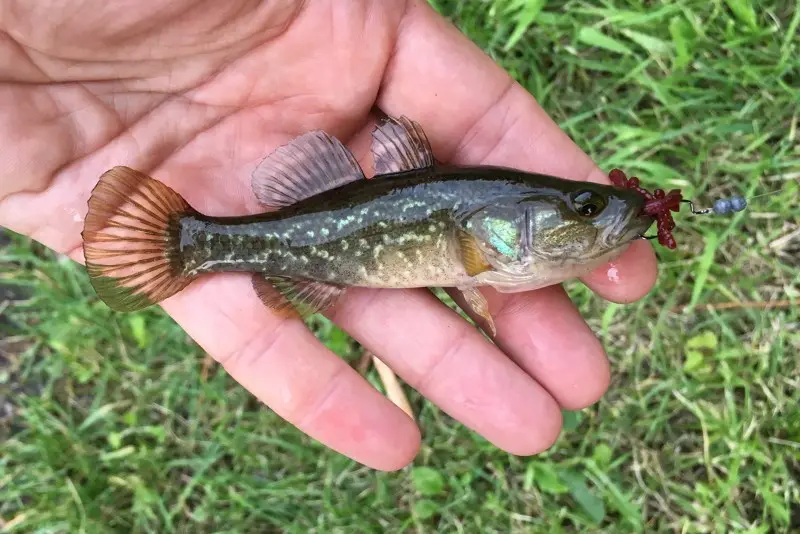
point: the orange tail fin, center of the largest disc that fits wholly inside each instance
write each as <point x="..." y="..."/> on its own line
<point x="131" y="238"/>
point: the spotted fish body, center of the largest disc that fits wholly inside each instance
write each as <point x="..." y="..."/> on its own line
<point x="387" y="233"/>
<point x="415" y="224"/>
<point x="397" y="231"/>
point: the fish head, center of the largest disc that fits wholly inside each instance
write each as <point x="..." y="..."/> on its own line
<point x="577" y="224"/>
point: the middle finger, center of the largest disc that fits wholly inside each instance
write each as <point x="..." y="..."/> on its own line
<point x="450" y="362"/>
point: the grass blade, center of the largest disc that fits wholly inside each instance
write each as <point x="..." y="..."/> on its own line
<point x="594" y="37"/>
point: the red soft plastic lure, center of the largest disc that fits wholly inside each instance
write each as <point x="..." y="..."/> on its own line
<point x="657" y="204"/>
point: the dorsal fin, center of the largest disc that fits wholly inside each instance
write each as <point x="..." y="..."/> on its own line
<point x="400" y="144"/>
<point x="295" y="297"/>
<point x="307" y="165"/>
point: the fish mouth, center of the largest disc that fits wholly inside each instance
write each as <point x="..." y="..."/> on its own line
<point x="631" y="228"/>
<point x="640" y="225"/>
<point x="621" y="234"/>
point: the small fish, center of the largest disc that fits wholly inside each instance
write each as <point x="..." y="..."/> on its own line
<point x="417" y="223"/>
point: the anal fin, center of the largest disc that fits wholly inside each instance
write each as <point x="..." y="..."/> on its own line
<point x="297" y="298"/>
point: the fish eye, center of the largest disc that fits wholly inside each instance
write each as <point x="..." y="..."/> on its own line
<point x="588" y="203"/>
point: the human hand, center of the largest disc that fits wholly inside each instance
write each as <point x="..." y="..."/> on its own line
<point x="196" y="93"/>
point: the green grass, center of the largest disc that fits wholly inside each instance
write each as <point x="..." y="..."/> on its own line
<point x="119" y="423"/>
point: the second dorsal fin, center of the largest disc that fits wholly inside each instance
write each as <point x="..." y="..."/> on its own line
<point x="400" y="144"/>
<point x="307" y="165"/>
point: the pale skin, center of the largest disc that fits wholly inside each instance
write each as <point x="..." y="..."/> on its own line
<point x="196" y="93"/>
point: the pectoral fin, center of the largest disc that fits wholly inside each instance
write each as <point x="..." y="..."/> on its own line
<point x="295" y="298"/>
<point x="471" y="256"/>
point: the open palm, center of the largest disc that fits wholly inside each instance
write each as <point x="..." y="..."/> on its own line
<point x="195" y="93"/>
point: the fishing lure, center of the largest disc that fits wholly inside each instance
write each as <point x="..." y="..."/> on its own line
<point x="659" y="204"/>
